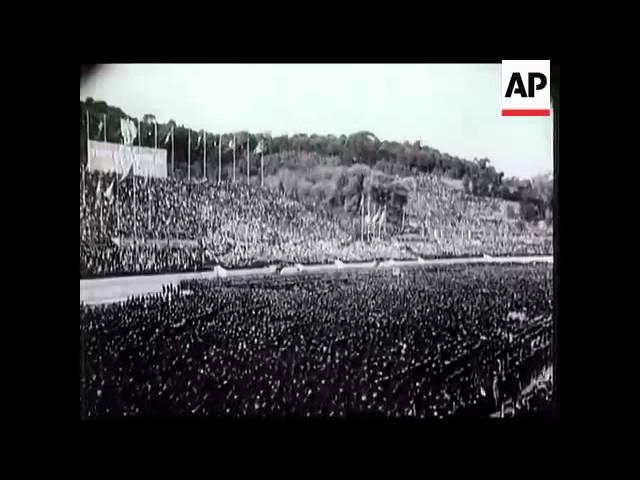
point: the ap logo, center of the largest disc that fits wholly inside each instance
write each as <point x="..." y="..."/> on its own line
<point x="526" y="87"/>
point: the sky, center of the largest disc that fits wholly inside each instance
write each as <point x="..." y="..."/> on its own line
<point x="453" y="108"/>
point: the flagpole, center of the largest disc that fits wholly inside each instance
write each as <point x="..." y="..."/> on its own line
<point x="105" y="127"/>
<point x="133" y="177"/>
<point x="149" y="195"/>
<point x="261" y="165"/>
<point x="362" y="217"/>
<point x="117" y="198"/>
<point x="155" y="144"/>
<point x="173" y="150"/>
<point x="100" y="205"/>
<point x="86" y="164"/>
<point x="118" y="205"/>
<point x="205" y="156"/>
<point x="384" y="224"/>
<point x="248" y="160"/>
<point x="369" y="216"/>
<point x="219" y="159"/>
<point x="234" y="157"/>
<point x="189" y="158"/>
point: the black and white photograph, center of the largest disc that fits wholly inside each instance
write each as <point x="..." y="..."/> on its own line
<point x="317" y="241"/>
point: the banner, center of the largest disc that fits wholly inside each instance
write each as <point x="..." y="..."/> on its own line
<point x="116" y="157"/>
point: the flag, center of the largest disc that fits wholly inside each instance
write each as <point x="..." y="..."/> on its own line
<point x="128" y="131"/>
<point x="482" y="392"/>
<point x="98" y="193"/>
<point x="124" y="131"/>
<point x="232" y="143"/>
<point x="129" y="170"/>
<point x="383" y="216"/>
<point x="133" y="130"/>
<point x="109" y="193"/>
<point x="375" y="217"/>
<point x="100" y="126"/>
<point x="168" y="137"/>
<point x="259" y="147"/>
<point x="199" y="141"/>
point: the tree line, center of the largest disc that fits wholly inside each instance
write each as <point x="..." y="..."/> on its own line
<point x="390" y="160"/>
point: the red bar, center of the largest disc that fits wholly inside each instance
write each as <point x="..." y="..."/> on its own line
<point x="526" y="113"/>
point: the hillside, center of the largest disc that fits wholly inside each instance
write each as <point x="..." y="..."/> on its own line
<point x="349" y="159"/>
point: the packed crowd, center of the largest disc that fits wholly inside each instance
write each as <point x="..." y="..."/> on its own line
<point x="173" y="208"/>
<point x="428" y="343"/>
<point x="456" y="223"/>
<point x="236" y="225"/>
<point x="100" y="259"/>
<point x="239" y="225"/>
<point x="373" y="250"/>
<point x="455" y="247"/>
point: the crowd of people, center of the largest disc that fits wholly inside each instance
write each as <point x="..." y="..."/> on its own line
<point x="234" y="224"/>
<point x="99" y="259"/>
<point x="457" y="247"/>
<point x="427" y="343"/>
<point x="238" y="225"/>
<point x="453" y="222"/>
<point x="359" y="251"/>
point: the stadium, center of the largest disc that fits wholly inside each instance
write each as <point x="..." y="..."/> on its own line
<point x="233" y="275"/>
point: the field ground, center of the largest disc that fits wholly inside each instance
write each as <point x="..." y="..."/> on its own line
<point x="115" y="289"/>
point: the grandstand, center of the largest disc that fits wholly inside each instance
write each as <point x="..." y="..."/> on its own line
<point x="182" y="225"/>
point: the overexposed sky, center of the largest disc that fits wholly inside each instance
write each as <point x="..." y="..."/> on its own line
<point x="454" y="108"/>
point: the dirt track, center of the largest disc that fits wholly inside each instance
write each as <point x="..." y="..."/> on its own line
<point x="107" y="290"/>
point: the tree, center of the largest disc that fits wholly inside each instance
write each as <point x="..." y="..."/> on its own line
<point x="467" y="182"/>
<point x="529" y="211"/>
<point x="483" y="163"/>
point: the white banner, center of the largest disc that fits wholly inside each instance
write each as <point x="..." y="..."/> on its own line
<point x="116" y="157"/>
